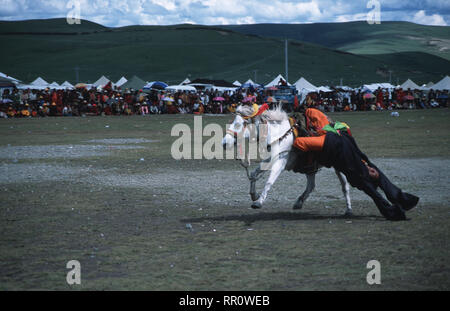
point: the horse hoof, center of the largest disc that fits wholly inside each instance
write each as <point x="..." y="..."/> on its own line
<point x="297" y="206"/>
<point x="256" y="205"/>
<point x="254" y="197"/>
<point x="348" y="214"/>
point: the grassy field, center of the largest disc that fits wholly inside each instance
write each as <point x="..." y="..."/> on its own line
<point x="138" y="220"/>
<point x="172" y="53"/>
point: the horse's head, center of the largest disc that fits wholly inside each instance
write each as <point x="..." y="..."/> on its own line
<point x="238" y="127"/>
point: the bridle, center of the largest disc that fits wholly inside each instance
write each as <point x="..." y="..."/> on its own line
<point x="250" y="119"/>
<point x="244" y="126"/>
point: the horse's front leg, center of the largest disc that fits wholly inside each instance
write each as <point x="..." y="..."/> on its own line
<point x="275" y="170"/>
<point x="310" y="185"/>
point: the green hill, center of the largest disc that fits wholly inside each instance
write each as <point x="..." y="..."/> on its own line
<point x="360" y="37"/>
<point x="52" y="49"/>
<point x="49" y="26"/>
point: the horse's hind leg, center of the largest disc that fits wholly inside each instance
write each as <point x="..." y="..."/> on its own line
<point x="310" y="185"/>
<point x="346" y="190"/>
<point x="254" y="176"/>
<point x="253" y="193"/>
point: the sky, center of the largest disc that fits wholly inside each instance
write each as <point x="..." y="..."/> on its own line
<point x="117" y="13"/>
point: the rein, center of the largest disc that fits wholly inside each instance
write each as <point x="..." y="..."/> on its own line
<point x="289" y="131"/>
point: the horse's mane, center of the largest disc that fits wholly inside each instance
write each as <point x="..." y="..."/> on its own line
<point x="276" y="114"/>
<point x="245" y="110"/>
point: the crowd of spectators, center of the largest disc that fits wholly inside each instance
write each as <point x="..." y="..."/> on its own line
<point x="91" y="102"/>
<point x="380" y="99"/>
<point x="85" y="102"/>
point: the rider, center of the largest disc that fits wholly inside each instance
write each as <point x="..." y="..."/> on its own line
<point x="315" y="122"/>
<point x="334" y="146"/>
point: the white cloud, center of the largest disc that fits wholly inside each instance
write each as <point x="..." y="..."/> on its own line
<point x="245" y="20"/>
<point x="167" y="4"/>
<point x="351" y="18"/>
<point x="421" y="18"/>
<point x="228" y="21"/>
<point x="292" y="11"/>
<point x="225" y="8"/>
<point x="213" y="12"/>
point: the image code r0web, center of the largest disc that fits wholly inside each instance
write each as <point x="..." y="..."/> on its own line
<point x="246" y="300"/>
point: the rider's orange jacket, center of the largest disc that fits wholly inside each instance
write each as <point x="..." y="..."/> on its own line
<point x="316" y="120"/>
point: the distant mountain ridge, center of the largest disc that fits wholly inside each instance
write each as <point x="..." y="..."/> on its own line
<point x="54" y="49"/>
<point x="360" y="37"/>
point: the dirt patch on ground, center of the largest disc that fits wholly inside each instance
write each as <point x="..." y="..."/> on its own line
<point x="60" y="151"/>
<point x="426" y="178"/>
<point x="122" y="141"/>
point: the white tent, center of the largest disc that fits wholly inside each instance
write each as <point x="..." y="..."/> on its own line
<point x="237" y="83"/>
<point x="275" y="81"/>
<point x="303" y="84"/>
<point x="344" y="87"/>
<point x="304" y="88"/>
<point x="29" y="86"/>
<point x="409" y="84"/>
<point x="427" y="87"/>
<point x="324" y="89"/>
<point x="7" y="82"/>
<point x="101" y="82"/>
<point x="386" y="86"/>
<point x="5" y="77"/>
<point x="39" y="82"/>
<point x="54" y="85"/>
<point x="186" y="81"/>
<point x="121" y="81"/>
<point x="444" y="84"/>
<point x="67" y="85"/>
<point x="225" y="89"/>
<point x="250" y="81"/>
<point x="188" y="88"/>
<point x="369" y="87"/>
<point x="374" y="86"/>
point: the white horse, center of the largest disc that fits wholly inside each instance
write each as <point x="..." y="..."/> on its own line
<point x="280" y="139"/>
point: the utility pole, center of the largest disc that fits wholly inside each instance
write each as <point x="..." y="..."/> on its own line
<point x="255" y="71"/>
<point x="286" y="59"/>
<point x="77" y="74"/>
